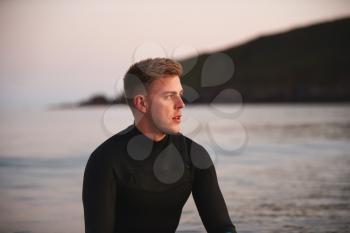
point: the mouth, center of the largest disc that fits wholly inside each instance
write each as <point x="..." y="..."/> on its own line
<point x="177" y="118"/>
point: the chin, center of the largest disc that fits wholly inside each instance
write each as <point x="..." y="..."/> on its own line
<point x="171" y="130"/>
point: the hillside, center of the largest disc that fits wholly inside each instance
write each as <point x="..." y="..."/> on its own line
<point x="308" y="64"/>
<point x="304" y="64"/>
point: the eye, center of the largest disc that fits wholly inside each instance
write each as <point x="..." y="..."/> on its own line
<point x="172" y="96"/>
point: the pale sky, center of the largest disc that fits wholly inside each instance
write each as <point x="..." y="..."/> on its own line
<point x="54" y="51"/>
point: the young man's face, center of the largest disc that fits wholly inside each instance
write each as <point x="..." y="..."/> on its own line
<point x="165" y="104"/>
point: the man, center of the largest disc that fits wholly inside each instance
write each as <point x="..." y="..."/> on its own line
<point x="139" y="179"/>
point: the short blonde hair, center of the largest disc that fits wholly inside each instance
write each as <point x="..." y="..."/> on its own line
<point x="143" y="73"/>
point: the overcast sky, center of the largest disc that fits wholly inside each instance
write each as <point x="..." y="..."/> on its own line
<point x="54" y="51"/>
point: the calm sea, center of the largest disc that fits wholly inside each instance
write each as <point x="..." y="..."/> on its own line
<point x="281" y="168"/>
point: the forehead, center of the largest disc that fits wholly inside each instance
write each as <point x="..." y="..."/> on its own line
<point x="166" y="84"/>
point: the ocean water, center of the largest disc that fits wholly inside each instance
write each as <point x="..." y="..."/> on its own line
<point x="281" y="168"/>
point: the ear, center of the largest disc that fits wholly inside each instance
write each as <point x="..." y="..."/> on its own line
<point x="140" y="103"/>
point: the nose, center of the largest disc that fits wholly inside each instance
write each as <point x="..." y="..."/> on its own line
<point x="179" y="102"/>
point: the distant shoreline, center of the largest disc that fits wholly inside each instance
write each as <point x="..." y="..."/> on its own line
<point x="76" y="106"/>
<point x="303" y="65"/>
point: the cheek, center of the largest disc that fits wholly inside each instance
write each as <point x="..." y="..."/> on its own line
<point x="161" y="111"/>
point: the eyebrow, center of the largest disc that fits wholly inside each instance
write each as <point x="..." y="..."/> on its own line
<point x="172" y="92"/>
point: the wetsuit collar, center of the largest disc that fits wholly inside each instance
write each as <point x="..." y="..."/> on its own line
<point x="138" y="132"/>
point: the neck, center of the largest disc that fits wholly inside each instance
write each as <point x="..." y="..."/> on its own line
<point x="149" y="131"/>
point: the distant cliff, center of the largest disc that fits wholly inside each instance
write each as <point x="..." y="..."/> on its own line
<point x="309" y="64"/>
<point x="305" y="64"/>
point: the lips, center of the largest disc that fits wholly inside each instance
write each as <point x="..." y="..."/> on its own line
<point x="177" y="117"/>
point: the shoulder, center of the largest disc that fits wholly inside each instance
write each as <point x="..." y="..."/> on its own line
<point x="199" y="156"/>
<point x="111" y="146"/>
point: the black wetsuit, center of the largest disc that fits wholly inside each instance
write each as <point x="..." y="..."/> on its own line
<point x="133" y="184"/>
